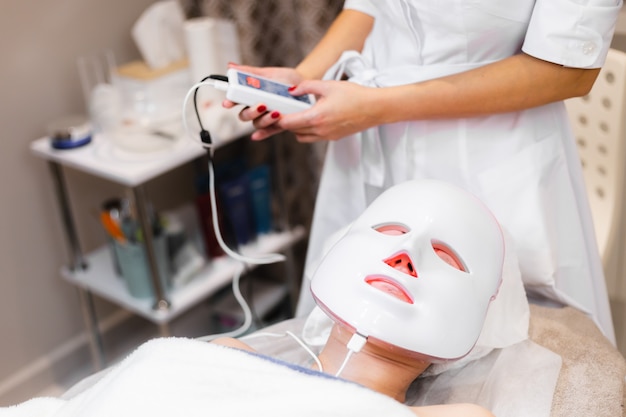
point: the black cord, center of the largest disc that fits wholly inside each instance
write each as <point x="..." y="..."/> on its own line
<point x="218" y="77"/>
<point x="195" y="104"/>
<point x="205" y="136"/>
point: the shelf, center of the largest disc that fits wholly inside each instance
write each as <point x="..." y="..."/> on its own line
<point x="111" y="158"/>
<point x="102" y="158"/>
<point x="101" y="279"/>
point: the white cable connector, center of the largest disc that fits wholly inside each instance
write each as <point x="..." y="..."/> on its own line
<point x="356" y="343"/>
<point x="220" y="85"/>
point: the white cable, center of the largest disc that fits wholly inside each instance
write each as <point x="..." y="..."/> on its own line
<point x="294" y="337"/>
<point x="267" y="259"/>
<point x="356" y="343"/>
<point x="262" y="334"/>
<point x="217" y="84"/>
<point x="244" y="306"/>
<point x="345" y="362"/>
<point x="264" y="260"/>
<point x="308" y="350"/>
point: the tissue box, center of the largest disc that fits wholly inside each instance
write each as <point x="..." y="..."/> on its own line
<point x="152" y="95"/>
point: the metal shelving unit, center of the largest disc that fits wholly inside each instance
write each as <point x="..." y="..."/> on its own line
<point x="93" y="273"/>
<point x="100" y="279"/>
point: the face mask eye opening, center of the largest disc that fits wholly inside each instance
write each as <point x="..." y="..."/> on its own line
<point x="391" y="229"/>
<point x="449" y="256"/>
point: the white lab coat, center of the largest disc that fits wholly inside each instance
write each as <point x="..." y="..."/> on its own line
<point x="524" y="165"/>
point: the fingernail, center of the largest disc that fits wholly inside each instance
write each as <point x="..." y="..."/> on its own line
<point x="261" y="109"/>
<point x="293" y="87"/>
<point x="275" y="115"/>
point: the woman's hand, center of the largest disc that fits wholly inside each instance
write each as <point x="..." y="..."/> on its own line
<point x="342" y="108"/>
<point x="347" y="33"/>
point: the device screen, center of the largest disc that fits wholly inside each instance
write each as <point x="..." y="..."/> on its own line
<point x="269" y="86"/>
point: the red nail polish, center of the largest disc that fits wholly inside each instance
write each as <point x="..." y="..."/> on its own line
<point x="275" y="115"/>
<point x="261" y="109"/>
<point x="293" y="87"/>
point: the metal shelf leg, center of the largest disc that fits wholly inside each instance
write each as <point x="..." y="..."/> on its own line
<point x="78" y="262"/>
<point x="91" y="323"/>
<point x="161" y="302"/>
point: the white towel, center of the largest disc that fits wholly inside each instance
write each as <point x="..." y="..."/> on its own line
<point x="185" y="377"/>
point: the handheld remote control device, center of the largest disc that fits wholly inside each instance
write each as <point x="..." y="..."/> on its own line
<point x="250" y="90"/>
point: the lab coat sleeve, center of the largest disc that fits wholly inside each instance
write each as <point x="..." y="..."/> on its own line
<point x="365" y="6"/>
<point x="573" y="33"/>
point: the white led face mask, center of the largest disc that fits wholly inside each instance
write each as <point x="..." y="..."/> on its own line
<point x="416" y="270"/>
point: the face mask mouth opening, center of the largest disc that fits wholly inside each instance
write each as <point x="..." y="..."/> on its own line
<point x="390" y="287"/>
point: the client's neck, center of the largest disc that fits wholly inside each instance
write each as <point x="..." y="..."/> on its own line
<point x="373" y="367"/>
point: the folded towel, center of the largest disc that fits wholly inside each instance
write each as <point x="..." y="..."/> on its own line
<point x="185" y="377"/>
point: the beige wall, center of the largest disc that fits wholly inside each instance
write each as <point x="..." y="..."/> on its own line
<point x="39" y="44"/>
